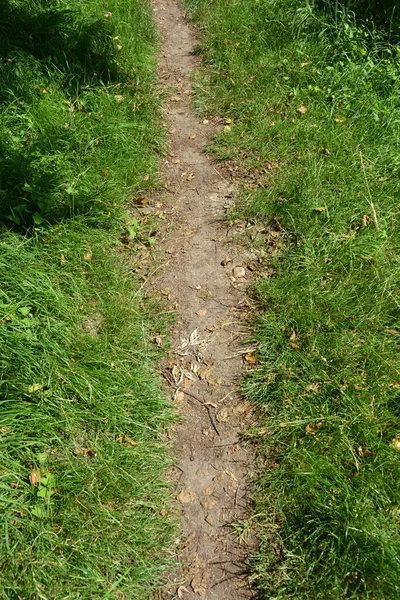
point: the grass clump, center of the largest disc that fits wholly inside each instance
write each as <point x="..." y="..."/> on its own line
<point x="315" y="112"/>
<point x="82" y="418"/>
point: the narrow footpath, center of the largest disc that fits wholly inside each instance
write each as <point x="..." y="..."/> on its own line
<point x="206" y="277"/>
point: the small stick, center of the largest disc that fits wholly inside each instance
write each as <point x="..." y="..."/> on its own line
<point x="208" y="409"/>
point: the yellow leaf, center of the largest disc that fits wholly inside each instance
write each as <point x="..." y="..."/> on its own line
<point x="36" y="387"/>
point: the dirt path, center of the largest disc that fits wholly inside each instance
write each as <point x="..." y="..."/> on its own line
<point x="212" y="471"/>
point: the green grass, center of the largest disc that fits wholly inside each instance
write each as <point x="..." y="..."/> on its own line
<point x="83" y="448"/>
<point x="325" y="181"/>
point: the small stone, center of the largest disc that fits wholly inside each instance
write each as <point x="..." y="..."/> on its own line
<point x="239" y="272"/>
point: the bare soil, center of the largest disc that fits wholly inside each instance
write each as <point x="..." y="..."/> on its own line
<point x="206" y="276"/>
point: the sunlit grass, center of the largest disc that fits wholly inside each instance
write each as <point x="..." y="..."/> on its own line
<point x="315" y="114"/>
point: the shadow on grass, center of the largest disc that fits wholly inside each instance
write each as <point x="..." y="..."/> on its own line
<point x="48" y="56"/>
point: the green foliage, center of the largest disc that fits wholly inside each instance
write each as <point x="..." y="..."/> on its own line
<point x="83" y="491"/>
<point x="74" y="123"/>
<point x="315" y="107"/>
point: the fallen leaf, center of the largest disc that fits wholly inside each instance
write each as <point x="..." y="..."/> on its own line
<point x="364" y="452"/>
<point x="202" y="312"/>
<point x="106" y="173"/>
<point x="294" y="346"/>
<point x="88" y="256"/>
<point x="304" y="64"/>
<point x="125" y="440"/>
<point x="392" y="331"/>
<point x="312" y="428"/>
<point x="228" y="121"/>
<point x="176" y="161"/>
<point x="313" y="387"/>
<point x="250" y="358"/>
<point x="395" y="443"/>
<point x="190" y="177"/>
<point x="158" y="340"/>
<point x="227" y="128"/>
<point x="63" y="260"/>
<point x="88" y="452"/>
<point x="192" y="136"/>
<point x="320" y="209"/>
<point x="36" y="387"/>
<point x="223" y="415"/>
<point x="186" y="496"/>
<point x="208" y="503"/>
<point x="140" y="201"/>
<point x="118" y="97"/>
<point x="326" y="152"/>
<point x="108" y="14"/>
<point x="301" y="110"/>
<point x="182" y="590"/>
<point x="35" y="477"/>
<point x="146" y="177"/>
<point x="340" y="119"/>
<point x="225" y="261"/>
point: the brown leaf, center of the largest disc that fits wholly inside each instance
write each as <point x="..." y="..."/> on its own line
<point x="208" y="503"/>
<point x="326" y="152"/>
<point x="225" y="261"/>
<point x="88" y="256"/>
<point x="313" y="387"/>
<point x="192" y="136"/>
<point x="364" y="452"/>
<point x="395" y="443"/>
<point x="146" y="177"/>
<point x="126" y="441"/>
<point x="294" y="346"/>
<point x="392" y="331"/>
<point x="36" y="476"/>
<point x="202" y="312"/>
<point x="108" y="14"/>
<point x="312" y="428"/>
<point x="250" y="358"/>
<point x="89" y="452"/>
<point x="63" y="260"/>
<point x="186" y="496"/>
<point x="158" y="340"/>
<point x="141" y="200"/>
<point x="301" y="110"/>
<point x="320" y="209"/>
<point x="339" y="119"/>
<point x="190" y="177"/>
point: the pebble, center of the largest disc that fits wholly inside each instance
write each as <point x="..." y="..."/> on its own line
<point x="239" y="272"/>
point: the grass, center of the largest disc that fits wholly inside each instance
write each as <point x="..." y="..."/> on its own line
<point x="313" y="131"/>
<point x="82" y="418"/>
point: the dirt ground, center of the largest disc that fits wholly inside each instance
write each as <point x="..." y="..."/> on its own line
<point x="206" y="276"/>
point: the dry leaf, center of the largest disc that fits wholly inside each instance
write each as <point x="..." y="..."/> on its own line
<point x="186" y="496"/>
<point x="106" y="173"/>
<point x="392" y="331"/>
<point x="202" y="312"/>
<point x="320" y="209"/>
<point x="35" y="477"/>
<point x="125" y="440"/>
<point x="326" y="152"/>
<point x="313" y="387"/>
<point x="294" y="346"/>
<point x="182" y="590"/>
<point x="340" y="119"/>
<point x="89" y="452"/>
<point x="301" y="110"/>
<point x="312" y="428"/>
<point x="395" y="443"/>
<point x="192" y="136"/>
<point x="225" y="261"/>
<point x="118" y="98"/>
<point x="250" y="358"/>
<point x="208" y="503"/>
<point x="88" y="256"/>
<point x="140" y="201"/>
<point x="63" y="260"/>
<point x="176" y="161"/>
<point x="190" y="177"/>
<point x="158" y="340"/>
<point x="223" y="415"/>
<point x="108" y="14"/>
<point x="146" y="177"/>
<point x="364" y="452"/>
